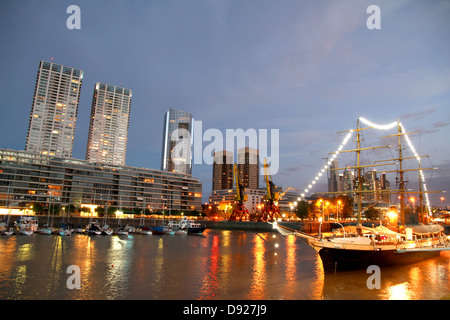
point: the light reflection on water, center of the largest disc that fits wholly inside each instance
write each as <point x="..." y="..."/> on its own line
<point x="221" y="264"/>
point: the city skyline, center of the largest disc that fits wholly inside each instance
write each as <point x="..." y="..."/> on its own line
<point x="307" y="69"/>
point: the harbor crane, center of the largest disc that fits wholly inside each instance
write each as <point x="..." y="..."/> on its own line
<point x="239" y="212"/>
<point x="270" y="210"/>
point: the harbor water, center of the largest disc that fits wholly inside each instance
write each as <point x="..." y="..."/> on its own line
<point x="218" y="265"/>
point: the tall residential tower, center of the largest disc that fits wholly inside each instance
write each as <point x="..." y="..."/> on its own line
<point x="222" y="170"/>
<point x="108" y="128"/>
<point x="248" y="166"/>
<point x="53" y="117"/>
<point x="176" y="144"/>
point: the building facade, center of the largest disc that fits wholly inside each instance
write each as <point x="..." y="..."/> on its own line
<point x="248" y="166"/>
<point x="225" y="199"/>
<point x="335" y="180"/>
<point x="177" y="141"/>
<point x="28" y="178"/>
<point x="54" y="110"/>
<point x="222" y="177"/>
<point x="109" y="122"/>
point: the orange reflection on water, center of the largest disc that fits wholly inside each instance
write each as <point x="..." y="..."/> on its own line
<point x="258" y="275"/>
<point x="7" y="249"/>
<point x="210" y="279"/>
<point x="399" y="292"/>
<point x="117" y="267"/>
<point x="84" y="257"/>
<point x="55" y="265"/>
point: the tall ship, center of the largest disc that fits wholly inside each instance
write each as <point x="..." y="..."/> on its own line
<point x="357" y="246"/>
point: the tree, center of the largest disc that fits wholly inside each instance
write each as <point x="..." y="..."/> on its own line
<point x="302" y="209"/>
<point x="38" y="208"/>
<point x="70" y="208"/>
<point x="85" y="210"/>
<point x="372" y="214"/>
<point x="100" y="211"/>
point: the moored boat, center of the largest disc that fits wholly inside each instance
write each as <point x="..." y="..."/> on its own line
<point x="158" y="230"/>
<point x="121" y="231"/>
<point x="191" y="226"/>
<point x="4" y="230"/>
<point x="357" y="247"/>
<point x="106" y="230"/>
<point x="26" y="225"/>
<point x="93" y="229"/>
<point x="45" y="230"/>
<point x="144" y="230"/>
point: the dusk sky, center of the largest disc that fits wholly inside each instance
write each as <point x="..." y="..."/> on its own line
<point x="308" y="68"/>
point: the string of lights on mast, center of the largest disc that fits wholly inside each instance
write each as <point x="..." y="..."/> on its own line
<point x="379" y="127"/>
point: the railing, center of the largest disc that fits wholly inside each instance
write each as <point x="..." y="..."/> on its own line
<point x="436" y="244"/>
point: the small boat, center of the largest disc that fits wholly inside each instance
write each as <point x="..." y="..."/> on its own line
<point x="129" y="229"/>
<point x="168" y="230"/>
<point x="106" y="230"/>
<point x="26" y="225"/>
<point x="26" y="231"/>
<point x="78" y="229"/>
<point x="191" y="226"/>
<point x="180" y="231"/>
<point x="4" y="229"/>
<point x="7" y="232"/>
<point x="46" y="230"/>
<point x="144" y="230"/>
<point x="175" y="226"/>
<point x="93" y="229"/>
<point x="158" y="230"/>
<point x="121" y="231"/>
<point x="65" y="232"/>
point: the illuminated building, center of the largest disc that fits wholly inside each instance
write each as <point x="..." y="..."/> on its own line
<point x="177" y="132"/>
<point x="108" y="128"/>
<point x="248" y="166"/>
<point x="222" y="170"/>
<point x="28" y="178"/>
<point x="226" y="198"/>
<point x="51" y="128"/>
<point x="335" y="183"/>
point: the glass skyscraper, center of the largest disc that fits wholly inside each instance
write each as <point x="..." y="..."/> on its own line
<point x="53" y="117"/>
<point x="108" y="128"/>
<point x="177" y="142"/>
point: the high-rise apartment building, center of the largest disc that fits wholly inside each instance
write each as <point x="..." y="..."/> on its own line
<point x="248" y="166"/>
<point x="53" y="117"/>
<point x="108" y="128"/>
<point x="222" y="170"/>
<point x="177" y="141"/>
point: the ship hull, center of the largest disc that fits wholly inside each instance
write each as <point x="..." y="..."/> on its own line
<point x="195" y="230"/>
<point x="335" y="260"/>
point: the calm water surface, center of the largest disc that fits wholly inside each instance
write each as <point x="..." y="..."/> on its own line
<point x="220" y="264"/>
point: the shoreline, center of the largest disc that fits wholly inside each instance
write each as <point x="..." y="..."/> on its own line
<point x="258" y="226"/>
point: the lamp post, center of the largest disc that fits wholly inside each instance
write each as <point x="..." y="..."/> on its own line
<point x="338" y="207"/>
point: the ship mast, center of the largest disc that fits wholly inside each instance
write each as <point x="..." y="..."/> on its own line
<point x="401" y="172"/>
<point x="358" y="181"/>
<point x="359" y="169"/>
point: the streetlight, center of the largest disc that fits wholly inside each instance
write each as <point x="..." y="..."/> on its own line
<point x="339" y="205"/>
<point x="442" y="202"/>
<point x="413" y="200"/>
